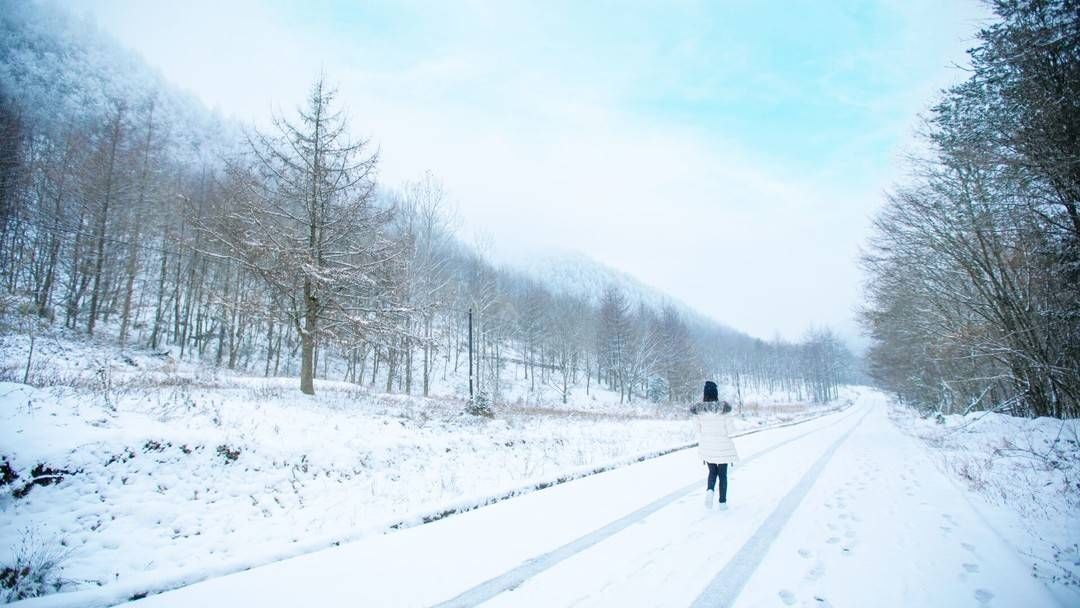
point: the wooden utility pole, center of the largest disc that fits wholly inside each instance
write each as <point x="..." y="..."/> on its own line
<point x="470" y="357"/>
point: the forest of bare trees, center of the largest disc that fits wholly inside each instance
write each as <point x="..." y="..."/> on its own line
<point x="277" y="252"/>
<point x="974" y="268"/>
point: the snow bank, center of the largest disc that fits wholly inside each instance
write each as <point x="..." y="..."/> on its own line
<point x="1023" y="475"/>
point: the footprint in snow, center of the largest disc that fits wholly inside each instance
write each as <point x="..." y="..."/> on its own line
<point x="816" y="572"/>
<point x="968" y="546"/>
<point x="805" y="553"/>
<point x="983" y="596"/>
<point x="832" y="540"/>
<point x="972" y="568"/>
<point x="850" y="534"/>
<point x="946" y="529"/>
<point x="787" y="597"/>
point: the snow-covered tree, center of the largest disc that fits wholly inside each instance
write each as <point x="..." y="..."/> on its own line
<point x="302" y="218"/>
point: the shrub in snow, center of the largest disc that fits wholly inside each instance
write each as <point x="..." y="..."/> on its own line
<point x="34" y="570"/>
<point x="230" y="454"/>
<point x="7" y="473"/>
<point x="104" y="385"/>
<point x="41" y="475"/>
<point x="480" y="406"/>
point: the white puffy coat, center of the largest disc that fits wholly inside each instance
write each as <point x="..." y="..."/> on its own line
<point x="714" y="438"/>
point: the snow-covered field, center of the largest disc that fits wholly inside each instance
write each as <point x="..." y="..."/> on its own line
<point x="1025" y="476"/>
<point x="144" y="474"/>
<point x="137" y="469"/>
<point x="843" y="510"/>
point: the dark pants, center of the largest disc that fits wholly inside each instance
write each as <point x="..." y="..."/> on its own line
<point x="718" y="471"/>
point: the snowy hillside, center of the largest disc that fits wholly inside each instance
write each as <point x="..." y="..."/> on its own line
<point x="53" y="63"/>
<point x="578" y="275"/>
<point x="575" y="274"/>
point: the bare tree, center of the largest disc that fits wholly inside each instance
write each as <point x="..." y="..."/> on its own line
<point x="300" y="216"/>
<point x="972" y="272"/>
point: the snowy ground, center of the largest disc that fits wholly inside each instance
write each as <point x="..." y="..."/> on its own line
<point x="1024" y="474"/>
<point x="148" y="471"/>
<point x="844" y="510"/>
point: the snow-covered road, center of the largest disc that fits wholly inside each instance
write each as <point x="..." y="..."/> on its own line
<point x="844" y="510"/>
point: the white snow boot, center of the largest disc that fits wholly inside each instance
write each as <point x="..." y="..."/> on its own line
<point x="709" y="497"/>
<point x="723" y="506"/>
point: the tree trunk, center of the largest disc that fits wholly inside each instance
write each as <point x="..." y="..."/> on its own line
<point x="307" y="341"/>
<point x="427" y="356"/>
<point x="102" y="225"/>
<point x="391" y="357"/>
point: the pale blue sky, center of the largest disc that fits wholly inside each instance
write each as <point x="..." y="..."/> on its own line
<point x="729" y="152"/>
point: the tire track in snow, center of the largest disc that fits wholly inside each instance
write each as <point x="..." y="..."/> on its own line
<point x="511" y="579"/>
<point x="725" y="587"/>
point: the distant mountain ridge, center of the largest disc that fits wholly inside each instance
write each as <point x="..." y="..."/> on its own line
<point x="576" y="274"/>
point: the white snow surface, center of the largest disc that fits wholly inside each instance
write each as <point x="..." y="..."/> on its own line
<point x="172" y="472"/>
<point x="842" y="510"/>
<point x="1024" y="475"/>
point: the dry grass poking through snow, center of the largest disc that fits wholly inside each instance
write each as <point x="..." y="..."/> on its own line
<point x="34" y="568"/>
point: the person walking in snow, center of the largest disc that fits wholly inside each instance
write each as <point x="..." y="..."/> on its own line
<point x="715" y="446"/>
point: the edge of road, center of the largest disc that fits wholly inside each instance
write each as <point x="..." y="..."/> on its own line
<point x="111" y="595"/>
